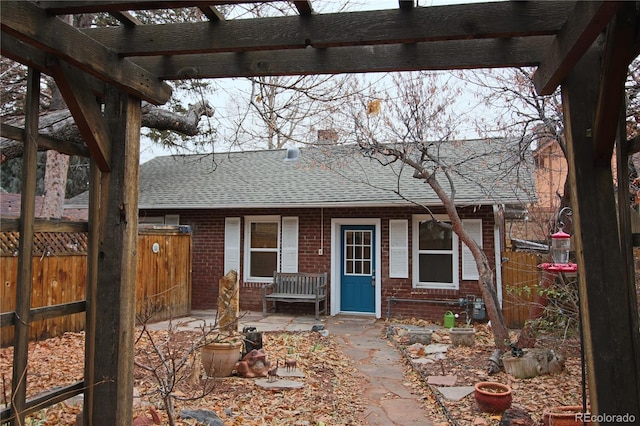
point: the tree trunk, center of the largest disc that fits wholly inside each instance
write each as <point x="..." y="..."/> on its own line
<point x="486" y="281"/>
<point x="55" y="184"/>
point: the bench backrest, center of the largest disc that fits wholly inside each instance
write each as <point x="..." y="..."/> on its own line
<point x="299" y="283"/>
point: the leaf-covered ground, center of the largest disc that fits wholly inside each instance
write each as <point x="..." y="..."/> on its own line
<point x="330" y="395"/>
<point x="469" y="365"/>
<point x="332" y="391"/>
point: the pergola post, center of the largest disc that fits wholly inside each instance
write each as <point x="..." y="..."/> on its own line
<point x="25" y="257"/>
<point x="111" y="300"/>
<point x="610" y="332"/>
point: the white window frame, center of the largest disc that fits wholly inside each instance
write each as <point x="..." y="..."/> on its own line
<point x="248" y="221"/>
<point x="455" y="285"/>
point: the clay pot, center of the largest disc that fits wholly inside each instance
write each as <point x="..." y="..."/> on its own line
<point x="563" y="416"/>
<point x="492" y="397"/>
<point x="220" y="358"/>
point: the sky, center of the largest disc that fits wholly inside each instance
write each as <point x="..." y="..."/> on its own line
<point x="229" y="88"/>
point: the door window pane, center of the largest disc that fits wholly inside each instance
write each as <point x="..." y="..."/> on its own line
<point x="358" y="252"/>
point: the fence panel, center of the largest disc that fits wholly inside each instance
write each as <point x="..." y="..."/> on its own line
<point x="163" y="278"/>
<point x="164" y="274"/>
<point x="520" y="281"/>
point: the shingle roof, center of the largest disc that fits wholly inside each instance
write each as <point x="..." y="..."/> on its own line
<point x="328" y="176"/>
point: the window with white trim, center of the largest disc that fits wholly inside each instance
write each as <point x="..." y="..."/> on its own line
<point x="262" y="247"/>
<point x="435" y="254"/>
<point x="270" y="244"/>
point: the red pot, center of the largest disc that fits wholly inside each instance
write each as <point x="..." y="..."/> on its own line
<point x="564" y="416"/>
<point x="492" y="397"/>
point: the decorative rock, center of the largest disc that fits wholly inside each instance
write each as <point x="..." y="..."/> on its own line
<point x="436" y="337"/>
<point x="254" y="364"/>
<point x="442" y="380"/>
<point x="280" y="384"/>
<point x="229" y="302"/>
<point x="420" y="336"/>
<point x="205" y="417"/>
<point x="532" y="363"/>
<point x="152" y="419"/>
<point x="516" y="417"/>
<point x="455" y="393"/>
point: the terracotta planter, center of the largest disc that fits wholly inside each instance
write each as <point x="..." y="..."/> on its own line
<point x="492" y="397"/>
<point x="220" y="358"/>
<point x="462" y="336"/>
<point x="569" y="415"/>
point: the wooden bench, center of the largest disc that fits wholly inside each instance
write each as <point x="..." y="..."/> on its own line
<point x="294" y="288"/>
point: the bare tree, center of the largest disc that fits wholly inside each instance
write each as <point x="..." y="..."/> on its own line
<point x="414" y="125"/>
<point x="274" y="112"/>
<point x="520" y="111"/>
<point x="171" y="358"/>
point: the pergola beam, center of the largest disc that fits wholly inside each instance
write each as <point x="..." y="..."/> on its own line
<point x="86" y="112"/>
<point x="32" y="25"/>
<point x="582" y="27"/>
<point x="45" y="142"/>
<point x="460" y="54"/>
<point x="304" y="7"/>
<point x="127" y="19"/>
<point x="66" y="7"/>
<point x="456" y="22"/>
<point x="618" y="53"/>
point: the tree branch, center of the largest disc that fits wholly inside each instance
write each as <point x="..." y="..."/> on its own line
<point x="60" y="125"/>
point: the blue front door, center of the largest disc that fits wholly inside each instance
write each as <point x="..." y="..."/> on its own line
<point x="357" y="275"/>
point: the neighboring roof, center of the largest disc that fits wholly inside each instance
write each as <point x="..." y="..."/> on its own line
<point x="327" y="176"/>
<point x="10" y="207"/>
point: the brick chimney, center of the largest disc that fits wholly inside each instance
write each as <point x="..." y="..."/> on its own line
<point x="327" y="137"/>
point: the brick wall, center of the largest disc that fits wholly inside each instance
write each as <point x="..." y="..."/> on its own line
<point x="208" y="256"/>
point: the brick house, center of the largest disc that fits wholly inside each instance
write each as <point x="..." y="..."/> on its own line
<point x="330" y="209"/>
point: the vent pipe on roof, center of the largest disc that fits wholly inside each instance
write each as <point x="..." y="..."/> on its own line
<point x="293" y="153"/>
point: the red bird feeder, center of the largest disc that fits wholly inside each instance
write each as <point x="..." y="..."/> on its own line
<point x="560" y="247"/>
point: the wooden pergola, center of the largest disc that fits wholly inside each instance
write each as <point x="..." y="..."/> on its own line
<point x="105" y="73"/>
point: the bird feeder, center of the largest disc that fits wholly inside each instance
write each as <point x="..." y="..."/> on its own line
<point x="560" y="247"/>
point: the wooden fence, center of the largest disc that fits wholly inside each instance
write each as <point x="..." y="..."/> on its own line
<point x="520" y="281"/>
<point x="59" y="276"/>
